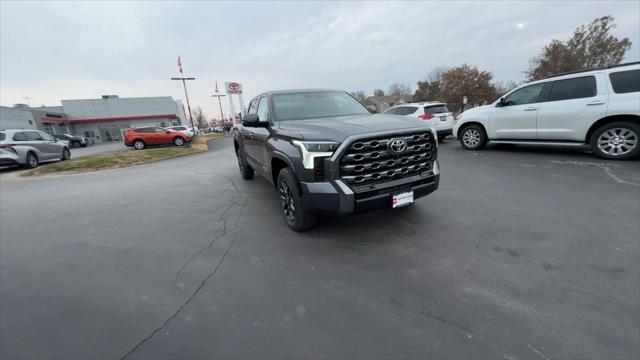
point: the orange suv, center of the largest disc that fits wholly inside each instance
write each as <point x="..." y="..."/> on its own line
<point x="141" y="137"/>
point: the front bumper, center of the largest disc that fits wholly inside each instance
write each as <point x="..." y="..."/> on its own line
<point x="336" y="198"/>
<point x="8" y="162"/>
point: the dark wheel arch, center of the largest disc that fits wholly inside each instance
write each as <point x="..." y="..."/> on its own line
<point x="608" y="120"/>
<point x="278" y="164"/>
<point x="465" y="125"/>
<point x="65" y="152"/>
<point x="29" y="155"/>
<point x="302" y="220"/>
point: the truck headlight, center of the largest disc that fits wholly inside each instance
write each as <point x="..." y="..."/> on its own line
<point x="313" y="149"/>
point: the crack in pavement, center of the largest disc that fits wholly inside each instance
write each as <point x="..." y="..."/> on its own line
<point x="206" y="278"/>
<point x="224" y="225"/>
<point x="607" y="170"/>
<point x="216" y="238"/>
<point x="195" y="292"/>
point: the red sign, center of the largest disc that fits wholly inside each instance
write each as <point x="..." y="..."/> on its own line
<point x="233" y="87"/>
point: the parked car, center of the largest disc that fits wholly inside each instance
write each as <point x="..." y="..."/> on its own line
<point x="434" y="113"/>
<point x="73" y="140"/>
<point x="183" y="129"/>
<point x="63" y="142"/>
<point x="598" y="108"/>
<point x="327" y="154"/>
<point x="141" y="137"/>
<point x="218" y="129"/>
<point x="30" y="148"/>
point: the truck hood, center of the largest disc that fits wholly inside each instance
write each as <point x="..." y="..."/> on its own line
<point x="480" y="110"/>
<point x="338" y="129"/>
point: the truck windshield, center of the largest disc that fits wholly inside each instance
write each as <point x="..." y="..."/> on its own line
<point x="311" y="105"/>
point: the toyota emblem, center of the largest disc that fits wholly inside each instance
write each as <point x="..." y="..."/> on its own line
<point x="397" y="146"/>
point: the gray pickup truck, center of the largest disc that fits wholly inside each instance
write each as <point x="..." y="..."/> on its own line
<point x="329" y="155"/>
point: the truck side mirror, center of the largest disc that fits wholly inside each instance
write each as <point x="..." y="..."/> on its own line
<point x="252" y="120"/>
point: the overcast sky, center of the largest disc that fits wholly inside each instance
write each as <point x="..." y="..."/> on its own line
<point x="77" y="50"/>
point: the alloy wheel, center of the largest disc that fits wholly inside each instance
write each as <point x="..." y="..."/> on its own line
<point x="617" y="141"/>
<point x="471" y="137"/>
<point x="138" y="145"/>
<point x="286" y="202"/>
<point x="33" y="161"/>
<point x="178" y="141"/>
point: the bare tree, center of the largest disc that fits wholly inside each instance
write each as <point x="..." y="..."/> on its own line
<point x="430" y="87"/>
<point x="591" y="46"/>
<point x="397" y="90"/>
<point x="359" y="95"/>
<point x="504" y="87"/>
<point x="199" y="119"/>
<point x="378" y="92"/>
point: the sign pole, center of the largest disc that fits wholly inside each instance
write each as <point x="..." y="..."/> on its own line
<point x="219" y="102"/>
<point x="234" y="88"/>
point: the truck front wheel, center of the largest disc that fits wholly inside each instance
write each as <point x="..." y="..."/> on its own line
<point x="245" y="169"/>
<point x="291" y="204"/>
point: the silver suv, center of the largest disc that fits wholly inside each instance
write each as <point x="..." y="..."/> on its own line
<point x="30" y="148"/>
<point x="599" y="108"/>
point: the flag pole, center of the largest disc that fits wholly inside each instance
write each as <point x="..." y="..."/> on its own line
<point x="186" y="95"/>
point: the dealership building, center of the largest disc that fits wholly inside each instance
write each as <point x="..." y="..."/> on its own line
<point x="98" y="120"/>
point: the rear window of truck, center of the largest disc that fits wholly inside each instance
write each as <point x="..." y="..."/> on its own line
<point x="625" y="81"/>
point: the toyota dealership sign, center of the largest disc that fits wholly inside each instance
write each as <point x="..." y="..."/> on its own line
<point x="233" y="87"/>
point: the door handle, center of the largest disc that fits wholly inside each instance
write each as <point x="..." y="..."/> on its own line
<point x="531" y="108"/>
<point x="597" y="102"/>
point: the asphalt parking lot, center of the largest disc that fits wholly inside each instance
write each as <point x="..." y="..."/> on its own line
<point x="523" y="253"/>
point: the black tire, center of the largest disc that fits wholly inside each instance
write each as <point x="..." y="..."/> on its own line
<point x="472" y="137"/>
<point x="66" y="154"/>
<point x="618" y="140"/>
<point x="32" y="161"/>
<point x="441" y="138"/>
<point x="75" y="144"/>
<point x="139" y="144"/>
<point x="245" y="169"/>
<point x="178" y="141"/>
<point x="291" y="204"/>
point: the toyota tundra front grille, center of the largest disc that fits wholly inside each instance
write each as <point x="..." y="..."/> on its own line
<point x="381" y="159"/>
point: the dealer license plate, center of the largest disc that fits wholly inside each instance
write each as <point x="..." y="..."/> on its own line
<point x="443" y="118"/>
<point x="402" y="199"/>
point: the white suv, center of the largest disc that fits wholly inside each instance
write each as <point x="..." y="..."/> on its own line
<point x="435" y="114"/>
<point x="183" y="129"/>
<point x="599" y="108"/>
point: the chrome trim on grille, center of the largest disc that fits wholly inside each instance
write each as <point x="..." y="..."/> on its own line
<point x="368" y="161"/>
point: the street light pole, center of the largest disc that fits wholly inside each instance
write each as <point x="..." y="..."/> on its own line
<point x="184" y="84"/>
